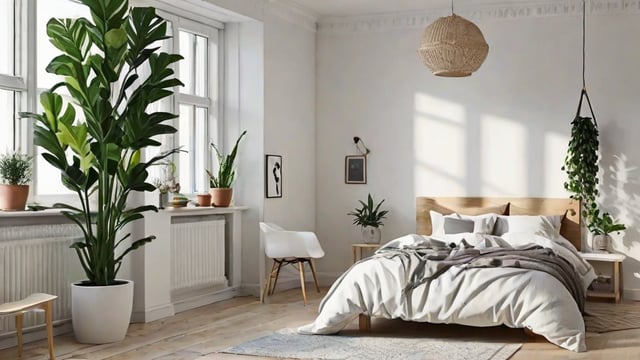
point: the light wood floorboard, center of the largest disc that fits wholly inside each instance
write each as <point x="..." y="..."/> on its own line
<point x="201" y="333"/>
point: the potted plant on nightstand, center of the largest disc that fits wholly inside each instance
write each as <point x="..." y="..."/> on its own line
<point x="369" y="218"/>
<point x="15" y="173"/>
<point x="220" y="183"/>
<point x="102" y="63"/>
<point x="601" y="227"/>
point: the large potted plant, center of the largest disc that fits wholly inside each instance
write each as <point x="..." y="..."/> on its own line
<point x="369" y="218"/>
<point x="601" y="227"/>
<point x="15" y="173"/>
<point x="220" y="183"/>
<point x="113" y="70"/>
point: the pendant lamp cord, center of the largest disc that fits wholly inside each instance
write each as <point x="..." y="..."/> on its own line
<point x="584" y="82"/>
<point x="583" y="93"/>
<point x="451" y="7"/>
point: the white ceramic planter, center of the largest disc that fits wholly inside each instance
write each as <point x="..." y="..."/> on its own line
<point x="101" y="314"/>
<point x="371" y="235"/>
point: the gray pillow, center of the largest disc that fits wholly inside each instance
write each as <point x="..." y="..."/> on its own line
<point x="457" y="226"/>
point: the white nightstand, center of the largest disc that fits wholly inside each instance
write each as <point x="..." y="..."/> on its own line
<point x="616" y="276"/>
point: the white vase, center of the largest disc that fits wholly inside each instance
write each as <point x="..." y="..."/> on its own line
<point x="371" y="235"/>
<point x="101" y="314"/>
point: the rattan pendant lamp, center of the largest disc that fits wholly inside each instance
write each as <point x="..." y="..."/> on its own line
<point x="453" y="46"/>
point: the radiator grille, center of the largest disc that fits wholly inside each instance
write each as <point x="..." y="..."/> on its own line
<point x="37" y="259"/>
<point x="197" y="253"/>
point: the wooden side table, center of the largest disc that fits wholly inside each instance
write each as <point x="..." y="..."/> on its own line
<point x="616" y="276"/>
<point x="356" y="250"/>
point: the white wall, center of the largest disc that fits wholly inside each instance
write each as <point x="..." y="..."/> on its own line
<point x="501" y="132"/>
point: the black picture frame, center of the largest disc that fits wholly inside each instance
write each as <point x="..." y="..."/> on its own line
<point x="273" y="176"/>
<point x="355" y="169"/>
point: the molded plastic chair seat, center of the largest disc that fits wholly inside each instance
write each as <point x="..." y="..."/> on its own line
<point x="36" y="301"/>
<point x="289" y="248"/>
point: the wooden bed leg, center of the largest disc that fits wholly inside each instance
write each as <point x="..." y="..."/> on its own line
<point x="364" y="322"/>
<point x="529" y="333"/>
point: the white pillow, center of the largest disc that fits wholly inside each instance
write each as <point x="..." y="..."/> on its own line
<point x="482" y="224"/>
<point x="547" y="226"/>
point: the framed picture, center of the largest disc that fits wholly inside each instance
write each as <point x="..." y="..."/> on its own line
<point x="273" y="176"/>
<point x="355" y="169"/>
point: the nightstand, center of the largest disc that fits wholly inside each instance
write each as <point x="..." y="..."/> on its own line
<point x="616" y="275"/>
<point x="356" y="250"/>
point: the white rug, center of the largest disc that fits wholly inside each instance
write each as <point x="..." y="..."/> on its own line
<point x="288" y="344"/>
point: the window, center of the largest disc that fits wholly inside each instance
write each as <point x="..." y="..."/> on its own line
<point x="197" y="103"/>
<point x="10" y="85"/>
<point x="25" y="51"/>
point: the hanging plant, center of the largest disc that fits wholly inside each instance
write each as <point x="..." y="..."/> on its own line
<point x="581" y="165"/>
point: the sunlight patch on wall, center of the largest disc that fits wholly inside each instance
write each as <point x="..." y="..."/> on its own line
<point x="439" y="146"/>
<point x="504" y="158"/>
<point x="555" y="150"/>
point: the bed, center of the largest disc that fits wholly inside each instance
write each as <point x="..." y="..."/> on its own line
<point x="495" y="261"/>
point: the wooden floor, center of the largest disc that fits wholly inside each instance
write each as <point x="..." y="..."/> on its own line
<point x="201" y="333"/>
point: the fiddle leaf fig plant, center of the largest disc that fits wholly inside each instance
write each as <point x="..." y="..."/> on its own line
<point x="112" y="68"/>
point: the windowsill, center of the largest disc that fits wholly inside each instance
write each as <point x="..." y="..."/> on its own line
<point x="30" y="213"/>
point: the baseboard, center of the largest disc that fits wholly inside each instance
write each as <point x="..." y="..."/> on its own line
<point x="35" y="333"/>
<point x="202" y="299"/>
<point x="631" y="294"/>
<point x="152" y="314"/>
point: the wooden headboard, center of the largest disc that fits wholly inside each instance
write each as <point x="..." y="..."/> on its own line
<point x="571" y="224"/>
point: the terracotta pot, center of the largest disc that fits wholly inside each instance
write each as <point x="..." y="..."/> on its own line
<point x="221" y="197"/>
<point x="204" y="199"/>
<point x="13" y="197"/>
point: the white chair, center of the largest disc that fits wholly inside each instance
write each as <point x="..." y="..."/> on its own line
<point x="289" y="248"/>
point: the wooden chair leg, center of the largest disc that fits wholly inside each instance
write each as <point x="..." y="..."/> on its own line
<point x="275" y="282"/>
<point x="49" y="320"/>
<point x="364" y="322"/>
<point x="315" y="276"/>
<point x="304" y="292"/>
<point x="19" y="332"/>
<point x="267" y="284"/>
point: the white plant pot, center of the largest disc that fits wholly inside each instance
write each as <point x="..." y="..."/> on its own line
<point x="101" y="314"/>
<point x="371" y="235"/>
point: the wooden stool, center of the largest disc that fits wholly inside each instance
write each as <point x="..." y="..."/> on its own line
<point x="31" y="302"/>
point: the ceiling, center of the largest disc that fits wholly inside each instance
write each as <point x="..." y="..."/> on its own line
<point x="326" y="8"/>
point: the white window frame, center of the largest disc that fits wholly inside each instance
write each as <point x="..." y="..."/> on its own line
<point x="215" y="34"/>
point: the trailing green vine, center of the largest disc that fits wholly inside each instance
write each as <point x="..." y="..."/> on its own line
<point x="581" y="165"/>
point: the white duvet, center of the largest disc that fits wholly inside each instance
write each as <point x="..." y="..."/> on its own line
<point x="517" y="298"/>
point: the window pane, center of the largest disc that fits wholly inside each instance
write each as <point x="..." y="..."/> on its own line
<point x="186" y="65"/>
<point x="46" y="51"/>
<point x="7" y="45"/>
<point x="185" y="134"/>
<point x="201" y="148"/>
<point x="193" y="69"/>
<point x="201" y="66"/>
<point x="7" y="120"/>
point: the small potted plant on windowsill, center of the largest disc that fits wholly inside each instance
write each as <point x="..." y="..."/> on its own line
<point x="369" y="218"/>
<point x="15" y="172"/>
<point x="220" y="183"/>
<point x="601" y="227"/>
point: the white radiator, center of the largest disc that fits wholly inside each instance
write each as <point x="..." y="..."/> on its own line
<point x="37" y="259"/>
<point x="197" y="252"/>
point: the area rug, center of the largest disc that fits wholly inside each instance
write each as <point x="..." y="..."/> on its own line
<point x="287" y="344"/>
<point x="604" y="317"/>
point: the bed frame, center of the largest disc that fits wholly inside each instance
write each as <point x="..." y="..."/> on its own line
<point x="571" y="223"/>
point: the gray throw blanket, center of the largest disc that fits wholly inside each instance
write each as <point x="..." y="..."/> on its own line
<point x="436" y="258"/>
